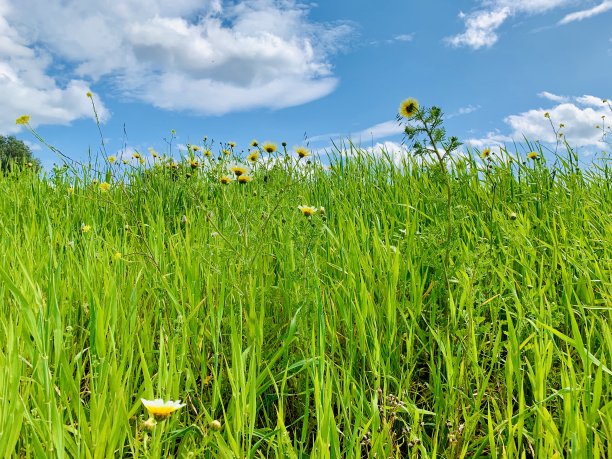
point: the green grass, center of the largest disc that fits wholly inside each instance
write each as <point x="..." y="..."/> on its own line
<point x="324" y="337"/>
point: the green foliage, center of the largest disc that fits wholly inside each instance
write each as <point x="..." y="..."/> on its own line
<point x="289" y="332"/>
<point x="15" y="152"/>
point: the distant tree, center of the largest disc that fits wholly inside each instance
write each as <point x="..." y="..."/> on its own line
<point x="13" y="151"/>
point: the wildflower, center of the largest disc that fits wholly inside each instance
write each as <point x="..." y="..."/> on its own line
<point x="307" y="210"/>
<point x="225" y="180"/>
<point x="284" y="144"/>
<point x="160" y="409"/>
<point x="244" y="179"/>
<point x="85" y="228"/>
<point x="117" y="256"/>
<point x="485" y="153"/>
<point x="207" y="153"/>
<point x="23" y="119"/>
<point x="112" y="159"/>
<point x="561" y="125"/>
<point x="214" y="234"/>
<point x="94" y="182"/>
<point x="215" y="425"/>
<point x="70" y="190"/>
<point x="89" y="94"/>
<point x="302" y="152"/>
<point x="196" y="148"/>
<point x="29" y="164"/>
<point x="533" y="155"/>
<point x="226" y="152"/>
<point x="408" y="108"/>
<point x="546" y="115"/>
<point x="184" y="219"/>
<point x="254" y="143"/>
<point x="253" y="156"/>
<point x="512" y="216"/>
<point x="136" y="155"/>
<point x="104" y="187"/>
<point x="194" y="164"/>
<point x="269" y="147"/>
<point x="238" y="170"/>
<point x="232" y="144"/>
<point x="322" y="210"/>
<point x="149" y="424"/>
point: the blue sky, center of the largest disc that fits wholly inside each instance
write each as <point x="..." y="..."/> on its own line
<point x="281" y="69"/>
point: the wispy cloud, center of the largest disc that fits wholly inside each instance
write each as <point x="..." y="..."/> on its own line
<point x="464" y="111"/>
<point x="482" y="24"/>
<point x="604" y="6"/>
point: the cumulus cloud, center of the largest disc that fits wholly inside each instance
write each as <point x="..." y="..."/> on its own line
<point x="579" y="118"/>
<point x="26" y="88"/>
<point x="205" y="56"/>
<point x="481" y="25"/>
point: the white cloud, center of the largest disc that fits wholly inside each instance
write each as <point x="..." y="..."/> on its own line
<point x="26" y="88"/>
<point x="491" y="139"/>
<point x="206" y="56"/>
<point x="553" y="97"/>
<point x="380" y="130"/>
<point x="481" y="25"/>
<point x="604" y="6"/>
<point x="481" y="28"/>
<point x="578" y="117"/>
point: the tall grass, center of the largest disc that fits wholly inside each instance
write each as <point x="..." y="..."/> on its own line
<point x="330" y="336"/>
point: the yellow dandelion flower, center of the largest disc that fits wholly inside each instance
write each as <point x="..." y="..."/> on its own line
<point x="70" y="190"/>
<point x="307" y="211"/>
<point x="117" y="256"/>
<point x="195" y="148"/>
<point x="238" y="170"/>
<point x="269" y="147"/>
<point x="136" y="155"/>
<point x="89" y="94"/>
<point x="23" y="119"/>
<point x="232" y="144"/>
<point x="104" y="187"/>
<point x="302" y="152"/>
<point x="253" y="156"/>
<point x="124" y="161"/>
<point x="141" y="160"/>
<point x="485" y="153"/>
<point x="254" y="143"/>
<point x="533" y="155"/>
<point x="409" y="108"/>
<point x="207" y="153"/>
<point x="225" y="180"/>
<point x="244" y="179"/>
<point x="112" y="159"/>
<point x="194" y="164"/>
<point x="226" y="152"/>
<point x="94" y="182"/>
<point x="85" y="228"/>
<point x="160" y="409"/>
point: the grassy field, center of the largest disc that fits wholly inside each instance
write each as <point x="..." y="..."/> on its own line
<point x="359" y="331"/>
